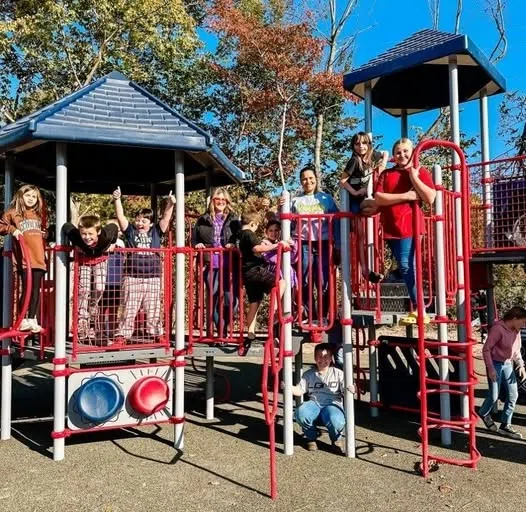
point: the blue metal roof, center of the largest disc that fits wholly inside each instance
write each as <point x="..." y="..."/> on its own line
<point x="413" y="75"/>
<point x="116" y="111"/>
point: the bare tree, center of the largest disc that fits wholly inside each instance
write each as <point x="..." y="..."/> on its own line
<point x="338" y="54"/>
<point x="434" y="7"/>
<point x="457" y="18"/>
<point x="495" y="8"/>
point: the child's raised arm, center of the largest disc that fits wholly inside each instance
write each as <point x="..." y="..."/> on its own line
<point x="164" y="223"/>
<point x="119" y="210"/>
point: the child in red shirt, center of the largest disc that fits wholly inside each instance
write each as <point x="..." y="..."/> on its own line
<point x="396" y="190"/>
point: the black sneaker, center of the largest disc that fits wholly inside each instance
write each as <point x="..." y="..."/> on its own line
<point x="509" y="431"/>
<point x="337" y="447"/>
<point x="312" y="446"/>
<point x="375" y="277"/>
<point x="490" y="424"/>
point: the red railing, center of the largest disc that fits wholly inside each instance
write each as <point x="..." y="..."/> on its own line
<point x="367" y="296"/>
<point x="459" y="351"/>
<point x="130" y="308"/>
<point x="215" y="299"/>
<point x="498" y="204"/>
<point x="272" y="365"/>
<point x="20" y="305"/>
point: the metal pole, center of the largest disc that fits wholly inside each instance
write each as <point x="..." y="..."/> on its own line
<point x="210" y="387"/>
<point x="404" y="129"/>
<point x="288" y="417"/>
<point x="153" y="201"/>
<point x="298" y="373"/>
<point x="373" y="370"/>
<point x="61" y="298"/>
<point x="484" y="147"/>
<point x="487" y="200"/>
<point x="208" y="187"/>
<point x="368" y="119"/>
<point x="7" y="313"/>
<point x="373" y="367"/>
<point x="440" y="265"/>
<point x="461" y="293"/>
<point x="345" y="222"/>
<point x="210" y="381"/>
<point x="180" y="294"/>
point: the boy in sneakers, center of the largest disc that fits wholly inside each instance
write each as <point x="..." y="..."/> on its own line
<point x="92" y="243"/>
<point x="325" y="387"/>
<point x="501" y="351"/>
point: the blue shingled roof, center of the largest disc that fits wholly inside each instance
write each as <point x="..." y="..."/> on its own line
<point x="114" y="110"/>
<point x="413" y="74"/>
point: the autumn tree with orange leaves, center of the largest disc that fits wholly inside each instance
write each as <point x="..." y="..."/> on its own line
<point x="268" y="70"/>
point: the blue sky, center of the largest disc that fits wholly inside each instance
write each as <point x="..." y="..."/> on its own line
<point x="390" y="22"/>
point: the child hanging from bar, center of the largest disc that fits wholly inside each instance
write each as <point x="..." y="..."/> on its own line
<point x="258" y="277"/>
<point x="92" y="244"/>
<point x="397" y="189"/>
<point x="141" y="284"/>
<point x="23" y="219"/>
<point x="356" y="176"/>
<point x="325" y="386"/>
<point x="502" y="350"/>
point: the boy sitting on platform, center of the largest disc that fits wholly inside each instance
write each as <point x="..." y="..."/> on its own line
<point x="325" y="387"/>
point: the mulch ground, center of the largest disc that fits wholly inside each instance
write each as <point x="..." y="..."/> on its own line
<point x="224" y="465"/>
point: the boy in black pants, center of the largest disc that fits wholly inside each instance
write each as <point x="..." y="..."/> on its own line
<point x="257" y="277"/>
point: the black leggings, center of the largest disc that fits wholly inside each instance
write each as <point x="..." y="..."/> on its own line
<point x="34" y="301"/>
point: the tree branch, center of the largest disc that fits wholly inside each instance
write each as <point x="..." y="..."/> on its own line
<point x="281" y="140"/>
<point x="77" y="79"/>
<point x="6" y="114"/>
<point x="457" y="19"/>
<point x="434" y="7"/>
<point x="497" y="13"/>
<point x="98" y="58"/>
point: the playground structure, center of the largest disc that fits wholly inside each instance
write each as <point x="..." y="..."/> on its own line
<point x="71" y="145"/>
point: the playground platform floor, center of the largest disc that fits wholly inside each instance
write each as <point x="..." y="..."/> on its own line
<point x="224" y="466"/>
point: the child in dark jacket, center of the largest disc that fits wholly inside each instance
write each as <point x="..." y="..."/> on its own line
<point x="258" y="277"/>
<point x="92" y="244"/>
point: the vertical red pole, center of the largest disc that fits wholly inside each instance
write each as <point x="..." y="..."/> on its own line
<point x="421" y="336"/>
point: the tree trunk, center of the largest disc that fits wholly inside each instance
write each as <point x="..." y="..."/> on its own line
<point x="317" y="149"/>
<point x="280" y="151"/>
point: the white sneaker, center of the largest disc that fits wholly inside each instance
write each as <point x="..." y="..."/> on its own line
<point x="35" y="328"/>
<point x="26" y="324"/>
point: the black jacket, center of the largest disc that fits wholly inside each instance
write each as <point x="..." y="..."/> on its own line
<point x="108" y="235"/>
<point x="203" y="231"/>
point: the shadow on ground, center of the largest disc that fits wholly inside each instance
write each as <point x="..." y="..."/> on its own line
<point x="240" y="416"/>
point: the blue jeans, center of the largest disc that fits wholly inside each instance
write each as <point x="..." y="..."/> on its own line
<point x="317" y="261"/>
<point x="332" y="416"/>
<point x="505" y="376"/>
<point x="228" y="301"/>
<point x="403" y="250"/>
